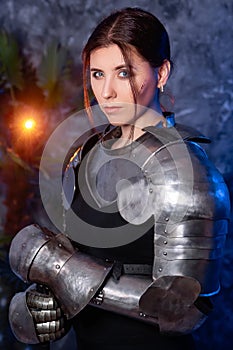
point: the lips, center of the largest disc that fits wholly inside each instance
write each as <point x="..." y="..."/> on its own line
<point x="112" y="109"/>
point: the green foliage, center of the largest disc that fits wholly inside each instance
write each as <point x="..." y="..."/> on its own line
<point x="20" y="149"/>
<point x="10" y="63"/>
<point x="52" y="72"/>
<point x="4" y="240"/>
<point x="26" y="92"/>
<point x="18" y="160"/>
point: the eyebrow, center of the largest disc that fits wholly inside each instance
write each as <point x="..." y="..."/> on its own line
<point x="116" y="68"/>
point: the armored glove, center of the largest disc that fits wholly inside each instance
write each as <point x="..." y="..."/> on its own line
<point x="50" y="322"/>
<point x="36" y="317"/>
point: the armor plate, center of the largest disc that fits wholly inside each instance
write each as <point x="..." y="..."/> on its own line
<point x="21" y="320"/>
<point x="73" y="277"/>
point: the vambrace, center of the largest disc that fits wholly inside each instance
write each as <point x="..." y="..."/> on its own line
<point x="172" y="304"/>
<point x="38" y="255"/>
<point x="122" y="296"/>
<point x="77" y="279"/>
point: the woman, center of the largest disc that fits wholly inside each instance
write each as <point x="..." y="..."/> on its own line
<point x="152" y="209"/>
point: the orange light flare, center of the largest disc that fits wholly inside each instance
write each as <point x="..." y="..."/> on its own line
<point x="27" y="131"/>
<point x="29" y="124"/>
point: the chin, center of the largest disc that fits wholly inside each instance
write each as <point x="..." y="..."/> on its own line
<point x="115" y="123"/>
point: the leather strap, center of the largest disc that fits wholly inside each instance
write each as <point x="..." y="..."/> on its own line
<point x="137" y="269"/>
<point x="131" y="269"/>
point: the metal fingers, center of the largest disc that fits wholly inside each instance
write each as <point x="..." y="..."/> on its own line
<point x="39" y="301"/>
<point x="50" y="327"/>
<point x="51" y="330"/>
<point x="50" y="323"/>
<point x="46" y="315"/>
<point x="51" y="336"/>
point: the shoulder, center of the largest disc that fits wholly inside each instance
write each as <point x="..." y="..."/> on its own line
<point x="81" y="147"/>
<point x="175" y="149"/>
<point x="181" y="170"/>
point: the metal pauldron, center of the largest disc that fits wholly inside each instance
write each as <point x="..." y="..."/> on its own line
<point x="192" y="248"/>
<point x="72" y="276"/>
<point x="191" y="213"/>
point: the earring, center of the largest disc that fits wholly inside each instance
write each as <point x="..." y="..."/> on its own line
<point x="161" y="88"/>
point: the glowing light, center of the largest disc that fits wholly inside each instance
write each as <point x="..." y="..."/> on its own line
<point x="29" y="124"/>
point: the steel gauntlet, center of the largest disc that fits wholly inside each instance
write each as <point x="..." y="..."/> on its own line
<point x="50" y="322"/>
<point x="36" y="317"/>
<point x="50" y="259"/>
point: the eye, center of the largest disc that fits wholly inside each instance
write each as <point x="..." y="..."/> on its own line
<point x="124" y="74"/>
<point x="97" y="74"/>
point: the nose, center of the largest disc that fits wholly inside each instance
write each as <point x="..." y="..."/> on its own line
<point x="108" y="90"/>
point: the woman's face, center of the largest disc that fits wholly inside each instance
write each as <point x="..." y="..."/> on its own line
<point x="111" y="87"/>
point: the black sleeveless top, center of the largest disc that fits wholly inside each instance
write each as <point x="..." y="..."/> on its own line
<point x="100" y="329"/>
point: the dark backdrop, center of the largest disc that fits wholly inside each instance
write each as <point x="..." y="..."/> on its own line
<point x="201" y="40"/>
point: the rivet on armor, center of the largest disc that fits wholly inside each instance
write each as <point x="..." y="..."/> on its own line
<point x="165" y="242"/>
<point x="92" y="290"/>
<point x="57" y="266"/>
<point x="141" y="314"/>
<point x="20" y="327"/>
<point x="106" y="260"/>
<point x="146" y="171"/>
<point x="17" y="314"/>
<point x="160" y="269"/>
<point x="164" y="253"/>
<point x="59" y="245"/>
<point x="47" y="237"/>
<point x="150" y="190"/>
<point x="166" y="219"/>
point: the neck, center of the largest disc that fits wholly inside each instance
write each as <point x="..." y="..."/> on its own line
<point x="151" y="117"/>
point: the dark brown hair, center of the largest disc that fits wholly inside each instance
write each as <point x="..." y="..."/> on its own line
<point x="126" y="28"/>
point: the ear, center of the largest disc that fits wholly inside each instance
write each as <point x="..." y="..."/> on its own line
<point x="163" y="73"/>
